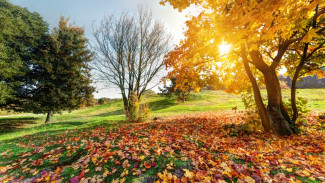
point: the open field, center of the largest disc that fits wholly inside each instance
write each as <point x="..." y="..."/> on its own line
<point x="206" y="101"/>
<point x="200" y="147"/>
<point x="201" y="140"/>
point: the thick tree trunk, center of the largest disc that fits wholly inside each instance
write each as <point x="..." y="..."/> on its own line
<point x="275" y="108"/>
<point x="48" y="117"/>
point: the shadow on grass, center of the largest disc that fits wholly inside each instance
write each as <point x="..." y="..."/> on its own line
<point x="8" y="125"/>
<point x="162" y="104"/>
<point x="154" y="106"/>
<point x="64" y="124"/>
<point x="111" y="113"/>
<point x="61" y="127"/>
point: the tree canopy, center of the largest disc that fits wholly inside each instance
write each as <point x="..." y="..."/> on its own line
<point x="22" y="36"/>
<point x="62" y="77"/>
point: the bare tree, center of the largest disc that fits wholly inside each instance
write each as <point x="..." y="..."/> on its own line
<point x="129" y="52"/>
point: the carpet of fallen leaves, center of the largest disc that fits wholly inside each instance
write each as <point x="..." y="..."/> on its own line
<point x="205" y="147"/>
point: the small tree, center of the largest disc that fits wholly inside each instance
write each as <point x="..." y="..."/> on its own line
<point x="130" y="53"/>
<point x="181" y="93"/>
<point x="62" y="78"/>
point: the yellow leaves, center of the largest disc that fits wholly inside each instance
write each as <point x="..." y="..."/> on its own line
<point x="94" y="160"/>
<point x="34" y="172"/>
<point x="106" y="173"/>
<point x="303" y="173"/>
<point x="310" y="35"/>
<point x="118" y="180"/>
<point x="122" y="180"/>
<point x="26" y="169"/>
<point x="188" y="174"/>
<point x="289" y="169"/>
<point x="166" y="176"/>
<point x="47" y="178"/>
<point x="142" y="157"/>
<point x="170" y="166"/>
<point x="249" y="179"/>
<point x="124" y="173"/>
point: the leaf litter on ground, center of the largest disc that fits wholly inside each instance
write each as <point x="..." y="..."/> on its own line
<point x="200" y="147"/>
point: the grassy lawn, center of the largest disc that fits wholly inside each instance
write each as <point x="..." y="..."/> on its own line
<point x="206" y="101"/>
<point x="196" y="141"/>
<point x="196" y="147"/>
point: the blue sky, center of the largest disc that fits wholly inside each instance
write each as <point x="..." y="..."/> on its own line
<point x="86" y="13"/>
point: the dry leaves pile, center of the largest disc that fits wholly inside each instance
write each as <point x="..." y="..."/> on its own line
<point x="202" y="147"/>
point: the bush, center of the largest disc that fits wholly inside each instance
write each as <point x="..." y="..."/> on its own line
<point x="149" y="93"/>
<point x="144" y="113"/>
<point x="135" y="115"/>
<point x="301" y="106"/>
<point x="253" y="121"/>
<point x="133" y="108"/>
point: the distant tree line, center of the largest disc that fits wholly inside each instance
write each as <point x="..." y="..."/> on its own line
<point x="305" y="82"/>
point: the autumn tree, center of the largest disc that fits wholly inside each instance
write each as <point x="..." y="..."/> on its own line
<point x="261" y="33"/>
<point x="129" y="53"/>
<point x="310" y="53"/>
<point x="191" y="66"/>
<point x="22" y="37"/>
<point x="62" y="77"/>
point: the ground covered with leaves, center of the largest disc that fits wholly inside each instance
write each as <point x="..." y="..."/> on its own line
<point x="202" y="147"/>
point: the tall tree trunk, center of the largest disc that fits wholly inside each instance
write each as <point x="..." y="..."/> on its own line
<point x="48" y="117"/>
<point x="266" y="121"/>
<point x="294" y="84"/>
<point x="293" y="96"/>
<point x="125" y="104"/>
<point x="279" y="124"/>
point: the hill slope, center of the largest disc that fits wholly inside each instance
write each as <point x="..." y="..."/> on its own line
<point x="12" y="127"/>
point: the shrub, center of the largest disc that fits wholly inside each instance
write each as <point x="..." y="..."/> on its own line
<point x="149" y="93"/>
<point x="133" y="108"/>
<point x="134" y="114"/>
<point x="301" y="106"/>
<point x="253" y="122"/>
<point x="144" y="113"/>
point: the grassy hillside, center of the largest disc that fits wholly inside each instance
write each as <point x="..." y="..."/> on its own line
<point x="93" y="145"/>
<point x="26" y="124"/>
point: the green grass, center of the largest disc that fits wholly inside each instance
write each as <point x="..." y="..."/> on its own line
<point x="22" y="134"/>
<point x="113" y="113"/>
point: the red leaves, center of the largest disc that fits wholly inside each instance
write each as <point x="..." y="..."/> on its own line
<point x="117" y="163"/>
<point x="200" y="142"/>
<point x="147" y="165"/>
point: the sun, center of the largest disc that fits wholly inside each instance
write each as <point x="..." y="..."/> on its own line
<point x="224" y="48"/>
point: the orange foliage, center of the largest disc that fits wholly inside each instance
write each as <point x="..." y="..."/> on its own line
<point x="212" y="146"/>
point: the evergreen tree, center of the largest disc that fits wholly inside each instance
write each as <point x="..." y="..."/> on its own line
<point x="62" y="77"/>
